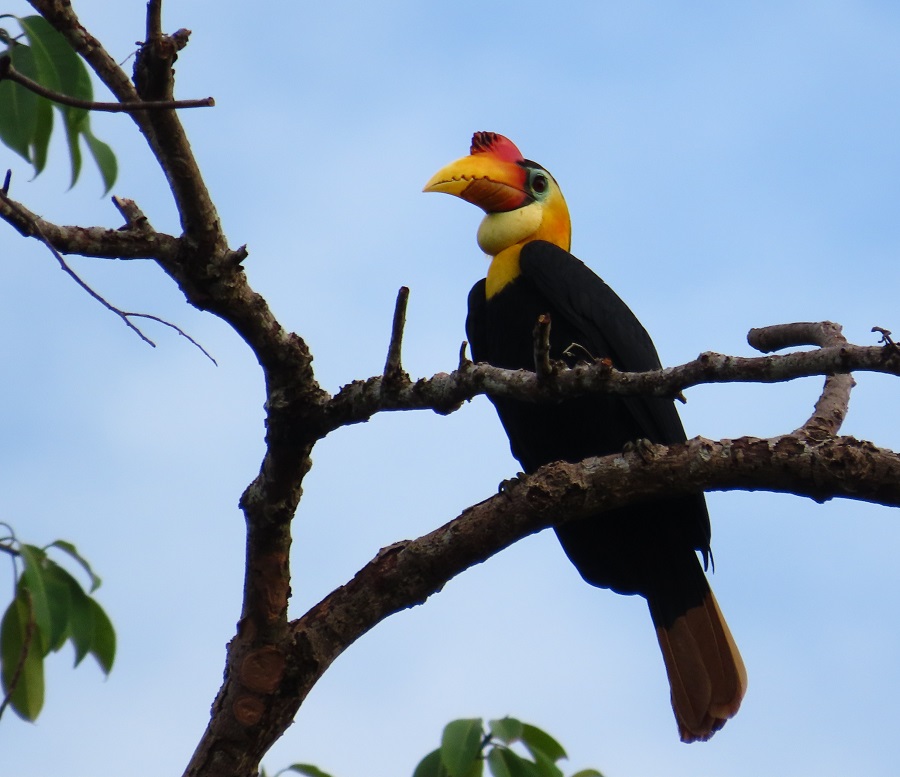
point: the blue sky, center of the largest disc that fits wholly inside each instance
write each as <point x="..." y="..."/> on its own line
<point x="726" y="165"/>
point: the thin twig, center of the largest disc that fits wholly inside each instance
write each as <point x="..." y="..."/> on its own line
<point x="8" y="72"/>
<point x="178" y="329"/>
<point x="392" y="366"/>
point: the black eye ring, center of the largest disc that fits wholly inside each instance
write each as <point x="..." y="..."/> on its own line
<point x="539" y="183"/>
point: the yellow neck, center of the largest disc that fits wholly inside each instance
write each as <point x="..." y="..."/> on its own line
<point x="505" y="266"/>
<point x="502" y="235"/>
<point x="504" y="269"/>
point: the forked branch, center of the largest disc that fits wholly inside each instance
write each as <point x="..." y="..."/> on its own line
<point x="834" y="402"/>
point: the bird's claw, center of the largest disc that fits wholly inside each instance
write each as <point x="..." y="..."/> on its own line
<point x="507" y="485"/>
<point x="642" y="447"/>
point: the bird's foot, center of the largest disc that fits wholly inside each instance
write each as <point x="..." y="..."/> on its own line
<point x="508" y="485"/>
<point x="642" y="447"/>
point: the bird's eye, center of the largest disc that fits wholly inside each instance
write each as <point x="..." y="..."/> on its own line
<point x="539" y="183"/>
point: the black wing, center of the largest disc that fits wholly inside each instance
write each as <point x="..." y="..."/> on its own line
<point x="630" y="549"/>
<point x="606" y="326"/>
<point x="475" y="322"/>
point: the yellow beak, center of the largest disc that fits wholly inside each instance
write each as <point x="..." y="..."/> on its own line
<point x="494" y="185"/>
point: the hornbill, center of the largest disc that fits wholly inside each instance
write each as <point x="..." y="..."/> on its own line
<point x="648" y="548"/>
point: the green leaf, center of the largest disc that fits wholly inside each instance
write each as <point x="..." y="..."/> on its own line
<point x="40" y="140"/>
<point x="104" y="157"/>
<point x="546" y="767"/>
<point x="18" y="106"/>
<point x="507" y="729"/>
<point x="27" y="63"/>
<point x="587" y="773"/>
<point x="503" y="762"/>
<point x="431" y="766"/>
<point x="103" y="645"/>
<point x="21" y="661"/>
<point x="59" y="68"/>
<point x="477" y="769"/>
<point x="51" y="59"/>
<point x="461" y="745"/>
<point x="81" y="620"/>
<point x="68" y="547"/>
<point x="74" y="121"/>
<point x="307" y="769"/>
<point x="59" y="601"/>
<point x="497" y="762"/>
<point x="33" y="580"/>
<point x="537" y="740"/>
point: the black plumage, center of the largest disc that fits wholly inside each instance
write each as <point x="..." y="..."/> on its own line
<point x="647" y="548"/>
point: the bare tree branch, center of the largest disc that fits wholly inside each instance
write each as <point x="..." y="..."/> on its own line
<point x="445" y="392"/>
<point x="407" y="573"/>
<point x="135" y="241"/>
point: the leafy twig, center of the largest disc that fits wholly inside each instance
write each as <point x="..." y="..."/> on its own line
<point x="8" y="72"/>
